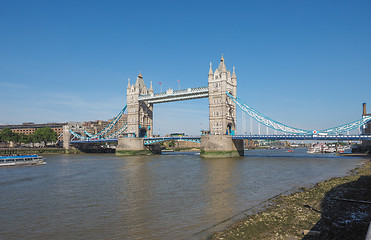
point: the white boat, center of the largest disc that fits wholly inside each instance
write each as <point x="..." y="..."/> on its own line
<point x="344" y="150"/>
<point x="321" y="148"/>
<point x="330" y="150"/>
<point x="311" y="150"/>
<point x="315" y="149"/>
<point x="23" y="160"/>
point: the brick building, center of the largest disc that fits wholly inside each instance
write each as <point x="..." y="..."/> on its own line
<point x="30" y="127"/>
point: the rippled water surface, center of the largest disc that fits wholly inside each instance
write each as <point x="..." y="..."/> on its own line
<point x="172" y="196"/>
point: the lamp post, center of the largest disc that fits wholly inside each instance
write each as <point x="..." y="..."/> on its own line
<point x="179" y="83"/>
<point x="160" y="86"/>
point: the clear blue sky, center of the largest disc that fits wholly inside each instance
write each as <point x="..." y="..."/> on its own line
<point x="304" y="63"/>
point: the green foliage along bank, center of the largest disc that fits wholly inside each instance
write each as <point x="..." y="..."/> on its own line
<point x="41" y="135"/>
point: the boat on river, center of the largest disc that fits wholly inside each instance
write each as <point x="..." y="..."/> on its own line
<point x="345" y="150"/>
<point x="22" y="160"/>
<point x="331" y="148"/>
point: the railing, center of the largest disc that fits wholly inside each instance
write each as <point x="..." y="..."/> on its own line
<point x="148" y="141"/>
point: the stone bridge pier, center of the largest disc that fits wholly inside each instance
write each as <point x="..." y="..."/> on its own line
<point x="129" y="146"/>
<point x="215" y="146"/>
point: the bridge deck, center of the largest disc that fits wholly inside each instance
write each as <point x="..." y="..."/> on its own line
<point x="254" y="137"/>
<point x="304" y="137"/>
<point x="171" y="96"/>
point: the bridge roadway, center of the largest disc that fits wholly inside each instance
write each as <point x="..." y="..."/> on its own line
<point x="304" y="137"/>
<point x="152" y="140"/>
<point x="171" y="95"/>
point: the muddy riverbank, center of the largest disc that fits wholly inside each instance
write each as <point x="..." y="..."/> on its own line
<point x="338" y="208"/>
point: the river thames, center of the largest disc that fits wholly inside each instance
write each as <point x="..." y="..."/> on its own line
<point x="170" y="196"/>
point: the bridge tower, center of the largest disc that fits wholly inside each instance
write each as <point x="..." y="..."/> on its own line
<point x="222" y="115"/>
<point x="366" y="130"/>
<point x="222" y="110"/>
<point x="140" y="113"/>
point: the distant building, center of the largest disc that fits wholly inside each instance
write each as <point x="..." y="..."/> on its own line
<point x="94" y="127"/>
<point x="186" y="144"/>
<point x="29" y="128"/>
<point x="182" y="144"/>
<point x="177" y="134"/>
<point x="249" y="143"/>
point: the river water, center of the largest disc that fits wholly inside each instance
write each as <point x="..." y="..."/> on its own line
<point x="172" y="196"/>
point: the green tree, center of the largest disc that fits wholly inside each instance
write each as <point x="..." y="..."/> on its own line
<point x="6" y="135"/>
<point x="23" y="138"/>
<point x="45" y="135"/>
<point x="32" y="139"/>
<point x="171" y="143"/>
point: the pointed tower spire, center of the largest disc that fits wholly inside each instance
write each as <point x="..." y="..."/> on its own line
<point x="234" y="73"/>
<point x="210" y="70"/>
<point x="150" y="91"/>
<point x="128" y="82"/>
<point x="222" y="68"/>
<point x="140" y="81"/>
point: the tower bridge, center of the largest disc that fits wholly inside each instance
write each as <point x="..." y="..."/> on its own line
<point x="136" y="135"/>
<point x="151" y="140"/>
<point x="222" y="110"/>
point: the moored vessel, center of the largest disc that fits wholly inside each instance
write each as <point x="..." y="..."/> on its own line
<point x="345" y="150"/>
<point x="22" y="160"/>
